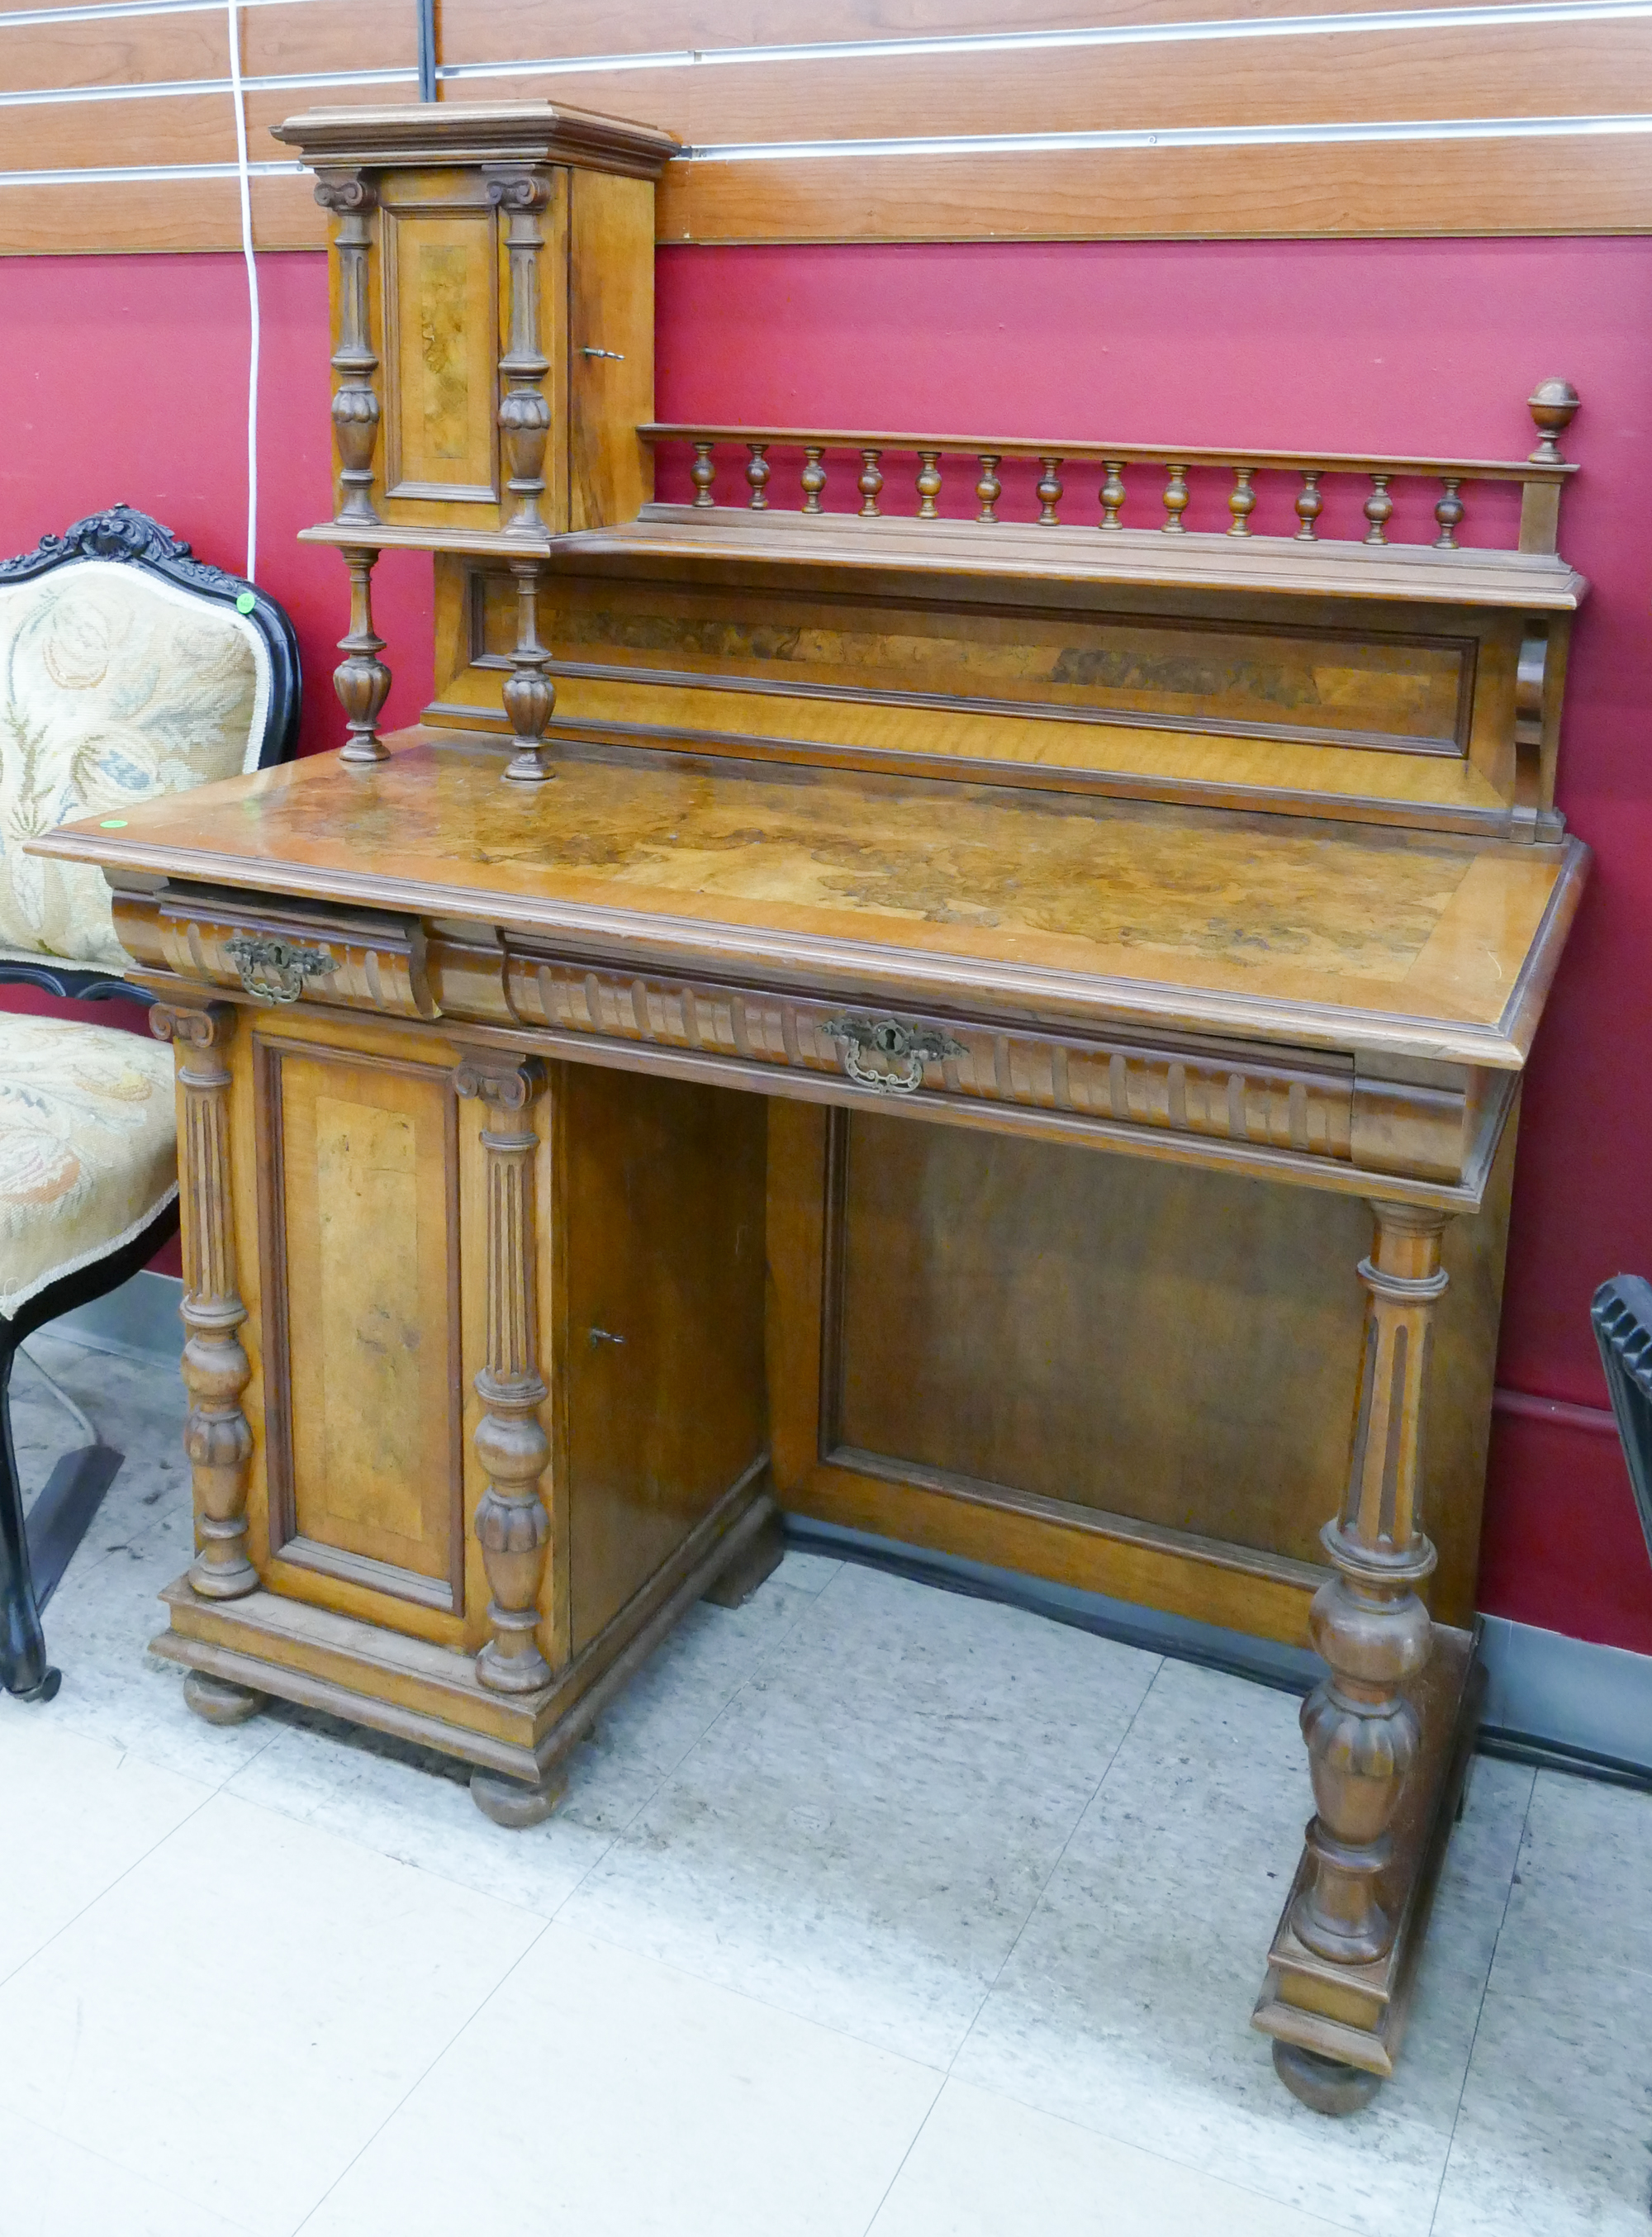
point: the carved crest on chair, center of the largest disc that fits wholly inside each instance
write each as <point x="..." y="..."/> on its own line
<point x="123" y="532"/>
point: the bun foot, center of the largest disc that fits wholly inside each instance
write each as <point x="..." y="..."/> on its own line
<point x="1324" y="2085"/>
<point x="513" y="1802"/>
<point x="46" y="1690"/>
<point x="219" y="1701"/>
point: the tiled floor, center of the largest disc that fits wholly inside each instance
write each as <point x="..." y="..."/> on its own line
<point x="871" y="1909"/>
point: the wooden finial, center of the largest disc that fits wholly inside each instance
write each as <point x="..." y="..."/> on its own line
<point x="1553" y="404"/>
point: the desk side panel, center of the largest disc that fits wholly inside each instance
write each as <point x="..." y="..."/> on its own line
<point x="662" y="1201"/>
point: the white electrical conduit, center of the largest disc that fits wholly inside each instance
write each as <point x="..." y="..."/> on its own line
<point x="244" y="174"/>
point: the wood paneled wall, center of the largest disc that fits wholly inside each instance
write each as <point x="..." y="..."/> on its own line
<point x="874" y="120"/>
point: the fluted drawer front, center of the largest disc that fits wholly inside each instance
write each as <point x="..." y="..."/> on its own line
<point x="283" y="955"/>
<point x="1278" y="1105"/>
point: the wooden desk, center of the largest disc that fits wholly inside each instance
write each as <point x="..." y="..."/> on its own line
<point x="494" y="1139"/>
<point x="650" y="1088"/>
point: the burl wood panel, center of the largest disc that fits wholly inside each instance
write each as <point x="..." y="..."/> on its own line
<point x="441" y="302"/>
<point x="1174" y="1346"/>
<point x="662" y="1197"/>
<point x="366" y="1243"/>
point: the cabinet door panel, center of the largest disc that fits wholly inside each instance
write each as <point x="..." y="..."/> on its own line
<point x="365" y="1433"/>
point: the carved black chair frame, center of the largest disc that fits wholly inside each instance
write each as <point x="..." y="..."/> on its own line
<point x="35" y="1551"/>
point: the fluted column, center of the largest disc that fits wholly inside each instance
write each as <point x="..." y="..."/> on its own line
<point x="511" y="1525"/>
<point x="1368" y="1623"/>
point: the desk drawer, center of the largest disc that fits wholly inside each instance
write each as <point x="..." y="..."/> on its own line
<point x="1306" y="1107"/>
<point x="361" y="960"/>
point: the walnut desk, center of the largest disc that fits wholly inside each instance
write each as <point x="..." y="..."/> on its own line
<point x="491" y="1094"/>
<point x="662" y="1081"/>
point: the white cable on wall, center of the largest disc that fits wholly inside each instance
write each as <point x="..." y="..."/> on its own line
<point x="245" y="176"/>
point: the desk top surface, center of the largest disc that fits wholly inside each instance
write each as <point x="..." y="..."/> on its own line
<point x="1332" y="932"/>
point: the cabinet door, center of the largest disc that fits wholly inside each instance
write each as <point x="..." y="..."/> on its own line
<point x="361" y="1314"/>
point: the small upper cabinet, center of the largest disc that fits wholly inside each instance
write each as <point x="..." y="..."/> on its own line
<point x="492" y="284"/>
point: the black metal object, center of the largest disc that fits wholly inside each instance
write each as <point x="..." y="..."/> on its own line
<point x="1621" y="1312"/>
<point x="34" y="1553"/>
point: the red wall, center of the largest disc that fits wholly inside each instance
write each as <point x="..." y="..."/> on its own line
<point x="125" y="378"/>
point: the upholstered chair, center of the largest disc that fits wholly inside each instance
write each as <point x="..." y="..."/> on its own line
<point x="127" y="669"/>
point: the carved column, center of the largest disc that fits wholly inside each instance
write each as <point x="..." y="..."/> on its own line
<point x="216" y="1370"/>
<point x="524" y="416"/>
<point x="1368" y="1623"/>
<point x="530" y="695"/>
<point x="511" y="1525"/>
<point x="361" y="679"/>
<point x="352" y="199"/>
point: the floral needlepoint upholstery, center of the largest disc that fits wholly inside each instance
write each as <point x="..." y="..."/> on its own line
<point x="87" y="1146"/>
<point x="114" y="686"/>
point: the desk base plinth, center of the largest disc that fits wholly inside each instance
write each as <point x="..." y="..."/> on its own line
<point x="1335" y="2025"/>
<point x="267" y="1644"/>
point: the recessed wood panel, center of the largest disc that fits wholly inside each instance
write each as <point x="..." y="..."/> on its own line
<point x="442" y="332"/>
<point x="1310" y="686"/>
<point x="1173" y="1346"/>
<point x="363" y="1228"/>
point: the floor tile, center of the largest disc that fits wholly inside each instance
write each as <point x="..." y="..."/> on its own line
<point x="50" y="2187"/>
<point x="76" y="1815"/>
<point x="861" y="1834"/>
<point x="984" y="2167"/>
<point x="604" y="2095"/>
<point x="236" y="2017"/>
<point x="1126" y="2005"/>
<point x="1556" y="2126"/>
<point x="1582" y="1895"/>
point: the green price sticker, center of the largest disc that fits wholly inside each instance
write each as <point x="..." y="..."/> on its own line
<point x="245" y="603"/>
<point x="113" y="823"/>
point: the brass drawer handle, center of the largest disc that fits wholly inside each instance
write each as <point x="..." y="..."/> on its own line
<point x="273" y="970"/>
<point x="902" y="1049"/>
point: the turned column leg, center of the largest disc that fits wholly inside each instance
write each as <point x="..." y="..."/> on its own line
<point x="216" y="1437"/>
<point x="530" y="695"/>
<point x="1374" y="1632"/>
<point x="511" y="1525"/>
<point x="361" y="679"/>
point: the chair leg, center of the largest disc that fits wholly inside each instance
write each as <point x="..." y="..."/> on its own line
<point x="24" y="1670"/>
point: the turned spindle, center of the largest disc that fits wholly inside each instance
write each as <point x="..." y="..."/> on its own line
<point x="929" y="483"/>
<point x="988" y="489"/>
<point x="1175" y="498"/>
<point x="757" y="471"/>
<point x="352" y="200"/>
<point x="1113" y="493"/>
<point x="524" y="414"/>
<point x="1373" y="1631"/>
<point x="813" y="476"/>
<point x="1242" y="502"/>
<point x="361" y="679"/>
<point x="1309" y="504"/>
<point x="702" y="473"/>
<point x="1449" y="513"/>
<point x="217" y="1439"/>
<point x="1379" y="510"/>
<point x="530" y="695"/>
<point x="870" y="482"/>
<point x="1049" y="492"/>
